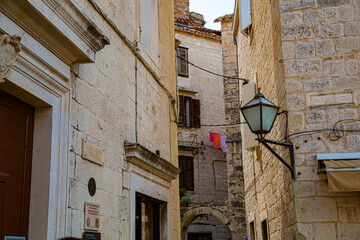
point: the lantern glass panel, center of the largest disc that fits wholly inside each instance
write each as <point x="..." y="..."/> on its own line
<point x="253" y="102"/>
<point x="252" y="116"/>
<point x="269" y="115"/>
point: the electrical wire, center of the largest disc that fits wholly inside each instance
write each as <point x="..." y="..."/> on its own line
<point x="215" y="125"/>
<point x="334" y="132"/>
<point x="216" y="74"/>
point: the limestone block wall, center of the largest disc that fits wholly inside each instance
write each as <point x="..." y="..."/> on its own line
<point x="116" y="100"/>
<point x="305" y="57"/>
<point x="232" y="116"/>
<point x="320" y="44"/>
<point x="267" y="183"/>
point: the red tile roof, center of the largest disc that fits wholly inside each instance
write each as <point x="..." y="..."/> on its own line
<point x="224" y="18"/>
<point x="187" y="25"/>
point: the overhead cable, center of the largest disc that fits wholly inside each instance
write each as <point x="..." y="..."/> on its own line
<point x="216" y="74"/>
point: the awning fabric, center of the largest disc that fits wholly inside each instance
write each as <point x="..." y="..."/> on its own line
<point x="344" y="180"/>
<point x="342" y="163"/>
<point x="343" y="175"/>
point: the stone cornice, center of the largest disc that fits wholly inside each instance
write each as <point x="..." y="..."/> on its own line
<point x="60" y="26"/>
<point x="79" y="22"/>
<point x="141" y="156"/>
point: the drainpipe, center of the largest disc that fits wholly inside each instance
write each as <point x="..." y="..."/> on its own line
<point x="136" y="102"/>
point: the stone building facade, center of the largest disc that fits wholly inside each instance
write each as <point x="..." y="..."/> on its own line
<point x="211" y="213"/>
<point x="203" y="47"/>
<point x="304" y="55"/>
<point x="233" y="129"/>
<point x="100" y="151"/>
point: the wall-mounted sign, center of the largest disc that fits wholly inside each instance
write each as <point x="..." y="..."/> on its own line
<point x="92" y="216"/>
<point x="92" y="152"/>
<point x="92" y="235"/>
<point x="14" y="238"/>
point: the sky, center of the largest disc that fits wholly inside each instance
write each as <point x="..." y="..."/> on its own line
<point x="212" y="9"/>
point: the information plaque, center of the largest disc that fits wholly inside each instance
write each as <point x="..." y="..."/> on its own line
<point x="92" y="216"/>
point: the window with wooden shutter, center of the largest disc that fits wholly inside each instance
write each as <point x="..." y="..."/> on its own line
<point x="245" y="14"/>
<point x="189" y="112"/>
<point x="183" y="66"/>
<point x="186" y="176"/>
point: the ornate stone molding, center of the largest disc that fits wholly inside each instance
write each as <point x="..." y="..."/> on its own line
<point x="9" y="50"/>
<point x="59" y="25"/>
<point x="141" y="156"/>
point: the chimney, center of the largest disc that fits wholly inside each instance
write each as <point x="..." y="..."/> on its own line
<point x="181" y="8"/>
<point x="197" y="18"/>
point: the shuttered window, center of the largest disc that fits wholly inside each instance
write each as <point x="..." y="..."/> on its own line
<point x="183" y="65"/>
<point x="245" y="13"/>
<point x="189" y="112"/>
<point x="149" y="28"/>
<point x="186" y="176"/>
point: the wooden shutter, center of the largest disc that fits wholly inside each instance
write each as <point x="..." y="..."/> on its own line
<point x="181" y="174"/>
<point x="183" y="69"/>
<point x="248" y="92"/>
<point x="245" y="11"/>
<point x="186" y="176"/>
<point x="195" y="113"/>
<point x="189" y="174"/>
<point x="181" y="110"/>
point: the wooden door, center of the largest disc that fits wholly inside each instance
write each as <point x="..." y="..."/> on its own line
<point x="16" y="135"/>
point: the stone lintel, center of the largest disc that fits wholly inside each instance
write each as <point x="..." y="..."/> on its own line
<point x="144" y="158"/>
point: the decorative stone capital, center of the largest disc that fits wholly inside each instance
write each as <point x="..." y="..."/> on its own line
<point x="9" y="50"/>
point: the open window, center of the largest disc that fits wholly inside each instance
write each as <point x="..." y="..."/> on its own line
<point x="343" y="170"/>
<point x="245" y="16"/>
<point x="189" y="114"/>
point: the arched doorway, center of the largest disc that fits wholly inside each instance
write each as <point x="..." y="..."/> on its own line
<point x="192" y="214"/>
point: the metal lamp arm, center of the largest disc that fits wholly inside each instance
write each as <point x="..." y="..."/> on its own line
<point x="290" y="146"/>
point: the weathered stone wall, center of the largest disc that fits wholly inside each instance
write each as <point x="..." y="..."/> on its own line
<point x="210" y="174"/>
<point x="205" y="52"/>
<point x="116" y="100"/>
<point x="232" y="116"/>
<point x="304" y="56"/>
<point x="320" y="44"/>
<point x="267" y="183"/>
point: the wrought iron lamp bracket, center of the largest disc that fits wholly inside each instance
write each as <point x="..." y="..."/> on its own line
<point x="290" y="146"/>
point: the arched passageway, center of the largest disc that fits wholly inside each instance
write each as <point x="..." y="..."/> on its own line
<point x="193" y="213"/>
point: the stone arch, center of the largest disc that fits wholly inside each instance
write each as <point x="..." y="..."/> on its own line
<point x="193" y="213"/>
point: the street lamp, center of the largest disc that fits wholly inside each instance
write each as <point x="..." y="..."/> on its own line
<point x="260" y="115"/>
